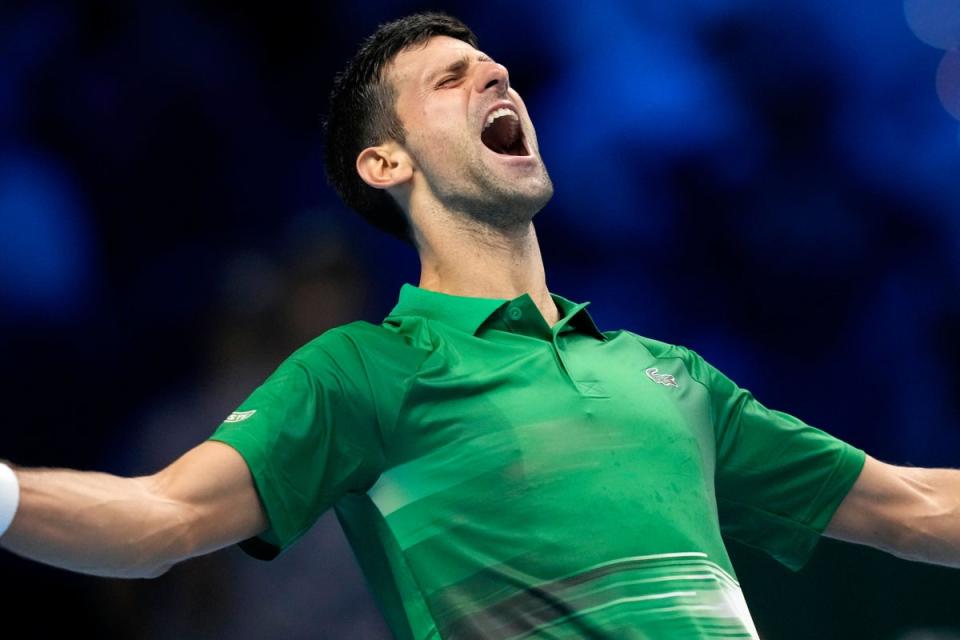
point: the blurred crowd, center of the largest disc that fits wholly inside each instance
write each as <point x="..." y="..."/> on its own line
<point x="773" y="185"/>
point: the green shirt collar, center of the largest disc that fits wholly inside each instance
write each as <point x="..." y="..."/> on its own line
<point x="468" y="313"/>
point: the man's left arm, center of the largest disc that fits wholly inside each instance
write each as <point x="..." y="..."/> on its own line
<point x="911" y="512"/>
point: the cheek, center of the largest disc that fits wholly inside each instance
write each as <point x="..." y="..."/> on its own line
<point x="433" y="148"/>
<point x="444" y="116"/>
<point x="438" y="126"/>
<point x="438" y="135"/>
<point x="439" y="138"/>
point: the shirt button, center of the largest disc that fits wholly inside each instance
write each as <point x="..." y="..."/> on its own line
<point x="514" y="313"/>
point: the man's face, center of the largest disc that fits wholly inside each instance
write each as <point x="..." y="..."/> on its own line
<point x="469" y="134"/>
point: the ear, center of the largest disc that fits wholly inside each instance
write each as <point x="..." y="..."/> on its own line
<point x="384" y="166"/>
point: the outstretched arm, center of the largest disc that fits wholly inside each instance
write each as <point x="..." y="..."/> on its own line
<point x="911" y="512"/>
<point x="105" y="525"/>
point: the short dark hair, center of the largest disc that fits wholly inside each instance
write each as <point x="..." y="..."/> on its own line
<point x="362" y="112"/>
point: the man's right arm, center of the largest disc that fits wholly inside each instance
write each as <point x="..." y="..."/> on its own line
<point x="105" y="525"/>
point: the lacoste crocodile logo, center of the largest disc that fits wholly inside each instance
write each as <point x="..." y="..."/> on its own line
<point x="665" y="379"/>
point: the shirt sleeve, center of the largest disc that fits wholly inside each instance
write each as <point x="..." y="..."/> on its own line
<point x="778" y="480"/>
<point x="309" y="435"/>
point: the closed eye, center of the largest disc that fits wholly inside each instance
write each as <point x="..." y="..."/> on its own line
<point x="448" y="81"/>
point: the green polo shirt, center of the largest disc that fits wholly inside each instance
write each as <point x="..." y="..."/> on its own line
<point x="501" y="478"/>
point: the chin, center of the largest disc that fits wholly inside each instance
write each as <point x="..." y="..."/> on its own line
<point x="541" y="201"/>
<point x="540" y="193"/>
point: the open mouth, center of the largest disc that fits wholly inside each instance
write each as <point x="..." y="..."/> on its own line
<point x="502" y="133"/>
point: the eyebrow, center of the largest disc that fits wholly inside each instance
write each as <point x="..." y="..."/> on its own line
<point x="458" y="66"/>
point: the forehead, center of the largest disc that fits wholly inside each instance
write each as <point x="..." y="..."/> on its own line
<point x="413" y="64"/>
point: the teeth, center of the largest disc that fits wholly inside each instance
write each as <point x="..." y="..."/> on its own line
<point x="502" y="111"/>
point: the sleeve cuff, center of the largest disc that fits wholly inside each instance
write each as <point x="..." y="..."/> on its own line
<point x="269" y="544"/>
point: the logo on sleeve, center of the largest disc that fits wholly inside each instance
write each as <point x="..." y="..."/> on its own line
<point x="665" y="379"/>
<point x="240" y="416"/>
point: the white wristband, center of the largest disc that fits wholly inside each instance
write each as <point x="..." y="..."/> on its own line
<point x="9" y="497"/>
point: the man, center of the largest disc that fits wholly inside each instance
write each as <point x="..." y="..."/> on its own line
<point x="502" y="468"/>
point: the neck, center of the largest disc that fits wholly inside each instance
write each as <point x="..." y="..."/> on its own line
<point x="486" y="264"/>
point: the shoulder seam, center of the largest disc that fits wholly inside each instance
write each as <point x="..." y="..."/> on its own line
<point x="409" y="382"/>
<point x="366" y="377"/>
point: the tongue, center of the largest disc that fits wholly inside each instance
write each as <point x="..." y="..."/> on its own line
<point x="502" y="135"/>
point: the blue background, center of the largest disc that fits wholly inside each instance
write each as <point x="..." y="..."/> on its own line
<point x="772" y="184"/>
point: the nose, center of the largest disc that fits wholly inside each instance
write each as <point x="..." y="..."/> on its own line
<point x="492" y="75"/>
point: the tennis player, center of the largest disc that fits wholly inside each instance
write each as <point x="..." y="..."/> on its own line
<point x="502" y="467"/>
